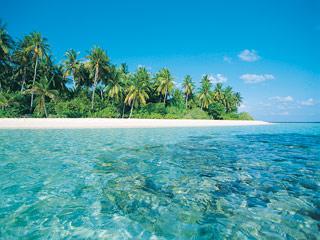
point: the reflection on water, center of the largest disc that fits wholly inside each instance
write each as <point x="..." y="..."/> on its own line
<point x="215" y="183"/>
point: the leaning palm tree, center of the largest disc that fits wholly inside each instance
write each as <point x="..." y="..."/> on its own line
<point x="98" y="63"/>
<point x="71" y="65"/>
<point x="165" y="83"/>
<point x="205" y="94"/>
<point x="42" y="91"/>
<point x="38" y="47"/>
<point x="138" y="89"/>
<point x="188" y="87"/>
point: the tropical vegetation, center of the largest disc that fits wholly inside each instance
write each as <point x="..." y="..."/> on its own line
<point x="33" y="84"/>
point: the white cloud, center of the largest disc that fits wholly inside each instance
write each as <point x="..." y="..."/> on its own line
<point x="249" y="55"/>
<point x="256" y="78"/>
<point x="308" y="102"/>
<point x="227" y="59"/>
<point x="285" y="99"/>
<point x="217" y="78"/>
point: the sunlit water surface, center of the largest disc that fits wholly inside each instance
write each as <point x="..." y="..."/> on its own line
<point x="199" y="183"/>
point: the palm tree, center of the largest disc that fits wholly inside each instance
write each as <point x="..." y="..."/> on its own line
<point x="205" y="94"/>
<point x="114" y="87"/>
<point x="188" y="87"/>
<point x="98" y="62"/>
<point x="72" y="65"/>
<point x="228" y="99"/>
<point x="218" y="94"/>
<point x="165" y="83"/>
<point x="22" y="61"/>
<point x="125" y="76"/>
<point x="138" y="89"/>
<point x="38" y="47"/>
<point x="6" y="44"/>
<point x="237" y="99"/>
<point x="42" y="91"/>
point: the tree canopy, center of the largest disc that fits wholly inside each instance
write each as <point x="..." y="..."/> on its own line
<point x="33" y="84"/>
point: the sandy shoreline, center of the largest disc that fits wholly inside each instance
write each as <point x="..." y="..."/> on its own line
<point x="61" y="123"/>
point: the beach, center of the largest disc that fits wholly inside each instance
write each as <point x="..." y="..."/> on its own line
<point x="86" y="123"/>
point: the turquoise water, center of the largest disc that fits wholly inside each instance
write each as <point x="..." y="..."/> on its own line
<point x="202" y="183"/>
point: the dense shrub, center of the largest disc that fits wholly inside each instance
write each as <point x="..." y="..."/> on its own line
<point x="216" y="110"/>
<point x="244" y="116"/>
<point x="13" y="104"/>
<point x="196" y="113"/>
<point x="75" y="108"/>
<point x="237" y="116"/>
<point x="107" y="112"/>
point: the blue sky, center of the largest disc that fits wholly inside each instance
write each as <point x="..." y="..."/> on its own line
<point x="268" y="50"/>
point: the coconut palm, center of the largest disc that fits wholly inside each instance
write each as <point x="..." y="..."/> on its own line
<point x="42" y="90"/>
<point x="205" y="94"/>
<point x="218" y="93"/>
<point x="237" y="99"/>
<point x="6" y="43"/>
<point x="22" y="60"/>
<point x="114" y="87"/>
<point x="125" y="76"/>
<point x="138" y="89"/>
<point x="38" y="47"/>
<point x="71" y="65"/>
<point x="188" y="87"/>
<point x="98" y="62"/>
<point x="165" y="83"/>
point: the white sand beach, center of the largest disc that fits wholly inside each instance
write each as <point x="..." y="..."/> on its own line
<point x="61" y="123"/>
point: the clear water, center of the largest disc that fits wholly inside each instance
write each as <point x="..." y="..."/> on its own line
<point x="201" y="183"/>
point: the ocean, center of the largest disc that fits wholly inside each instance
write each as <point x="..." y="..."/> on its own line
<point x="249" y="182"/>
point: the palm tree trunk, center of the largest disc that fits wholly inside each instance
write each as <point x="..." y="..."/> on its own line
<point x="44" y="106"/>
<point x="101" y="94"/>
<point x="165" y="96"/>
<point x="33" y="81"/>
<point x="132" y="108"/>
<point x="124" y="106"/>
<point x="92" y="97"/>
<point x="94" y="86"/>
<point x="187" y="101"/>
<point x="23" y="80"/>
<point x="74" y="80"/>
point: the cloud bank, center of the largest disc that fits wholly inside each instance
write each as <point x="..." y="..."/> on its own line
<point x="256" y="78"/>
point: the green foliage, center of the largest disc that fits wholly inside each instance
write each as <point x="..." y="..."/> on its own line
<point x="178" y="99"/>
<point x="32" y="83"/>
<point x="196" y="113"/>
<point x="237" y="116"/>
<point x="107" y="112"/>
<point x="13" y="104"/>
<point x="151" y="110"/>
<point x="74" y="108"/>
<point x="216" y="110"/>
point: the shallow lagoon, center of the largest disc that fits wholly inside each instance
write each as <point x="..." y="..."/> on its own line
<point x="259" y="182"/>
